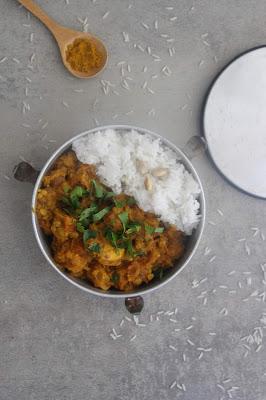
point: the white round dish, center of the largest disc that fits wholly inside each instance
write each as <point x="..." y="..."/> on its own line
<point x="234" y="122"/>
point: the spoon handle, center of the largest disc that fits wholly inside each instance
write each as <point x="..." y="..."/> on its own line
<point x="31" y="6"/>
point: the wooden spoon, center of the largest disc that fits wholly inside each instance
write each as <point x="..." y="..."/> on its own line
<point x="65" y="37"/>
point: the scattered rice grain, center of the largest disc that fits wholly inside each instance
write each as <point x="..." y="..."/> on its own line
<point x="223" y="311"/>
<point x="172" y="347"/>
<point x="188" y="328"/>
<point x="173" y="385"/>
<point x="183" y="387"/>
<point x="126" y="37"/>
<point x="145" y="26"/>
<point x="106" y="15"/>
<point x="247" y="249"/>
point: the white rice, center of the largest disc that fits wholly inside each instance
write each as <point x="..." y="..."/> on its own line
<point x="116" y="154"/>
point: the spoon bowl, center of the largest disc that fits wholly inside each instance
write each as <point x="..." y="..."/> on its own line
<point x="65" y="37"/>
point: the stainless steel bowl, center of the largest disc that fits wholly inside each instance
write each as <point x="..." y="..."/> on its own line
<point x="155" y="284"/>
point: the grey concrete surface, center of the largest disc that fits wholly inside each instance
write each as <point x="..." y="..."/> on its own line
<point x="55" y="339"/>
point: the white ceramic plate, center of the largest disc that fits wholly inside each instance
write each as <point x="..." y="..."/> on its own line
<point x="234" y="122"/>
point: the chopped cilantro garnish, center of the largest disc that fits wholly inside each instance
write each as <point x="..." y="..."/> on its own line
<point x="77" y="193"/>
<point x="99" y="189"/>
<point x="115" y="277"/>
<point x="87" y="234"/>
<point x="133" y="227"/>
<point x="131" y="201"/>
<point x="158" y="273"/>
<point x="160" y="229"/>
<point x="112" y="237"/>
<point x="130" y="250"/>
<point x="120" y="204"/>
<point x="87" y="213"/>
<point x="109" y="195"/>
<point x="97" y="217"/>
<point x="151" y="230"/>
<point x="67" y="206"/>
<point x="80" y="227"/>
<point x="95" y="248"/>
<point x="124" y="219"/>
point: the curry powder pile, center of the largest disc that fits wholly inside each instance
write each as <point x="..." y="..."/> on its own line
<point x="83" y="56"/>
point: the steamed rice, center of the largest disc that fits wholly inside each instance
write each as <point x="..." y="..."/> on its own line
<point x="116" y="154"/>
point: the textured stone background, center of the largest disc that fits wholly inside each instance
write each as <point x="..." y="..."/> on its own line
<point x="55" y="339"/>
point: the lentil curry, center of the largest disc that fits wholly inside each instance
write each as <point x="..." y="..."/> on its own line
<point x="99" y="236"/>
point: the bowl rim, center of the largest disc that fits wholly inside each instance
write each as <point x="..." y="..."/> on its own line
<point x="91" y="289"/>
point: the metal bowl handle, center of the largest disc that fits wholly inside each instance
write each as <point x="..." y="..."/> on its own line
<point x="134" y="305"/>
<point x="195" y="146"/>
<point x="25" y="172"/>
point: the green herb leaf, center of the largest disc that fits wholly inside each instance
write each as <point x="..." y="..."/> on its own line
<point x="99" y="189"/>
<point x="77" y="193"/>
<point x="131" y="201"/>
<point x="122" y="244"/>
<point x="120" y="204"/>
<point x="87" y="234"/>
<point x="67" y="206"/>
<point x="111" y="237"/>
<point x="97" y="217"/>
<point x="95" y="248"/>
<point x="115" y="277"/>
<point x="133" y="227"/>
<point x="109" y="195"/>
<point x="158" y="273"/>
<point x="151" y="230"/>
<point x="87" y="213"/>
<point x="130" y="250"/>
<point x="124" y="219"/>
<point x="160" y="229"/>
<point x="80" y="227"/>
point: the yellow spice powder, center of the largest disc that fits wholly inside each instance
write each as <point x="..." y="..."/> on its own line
<point x="83" y="56"/>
